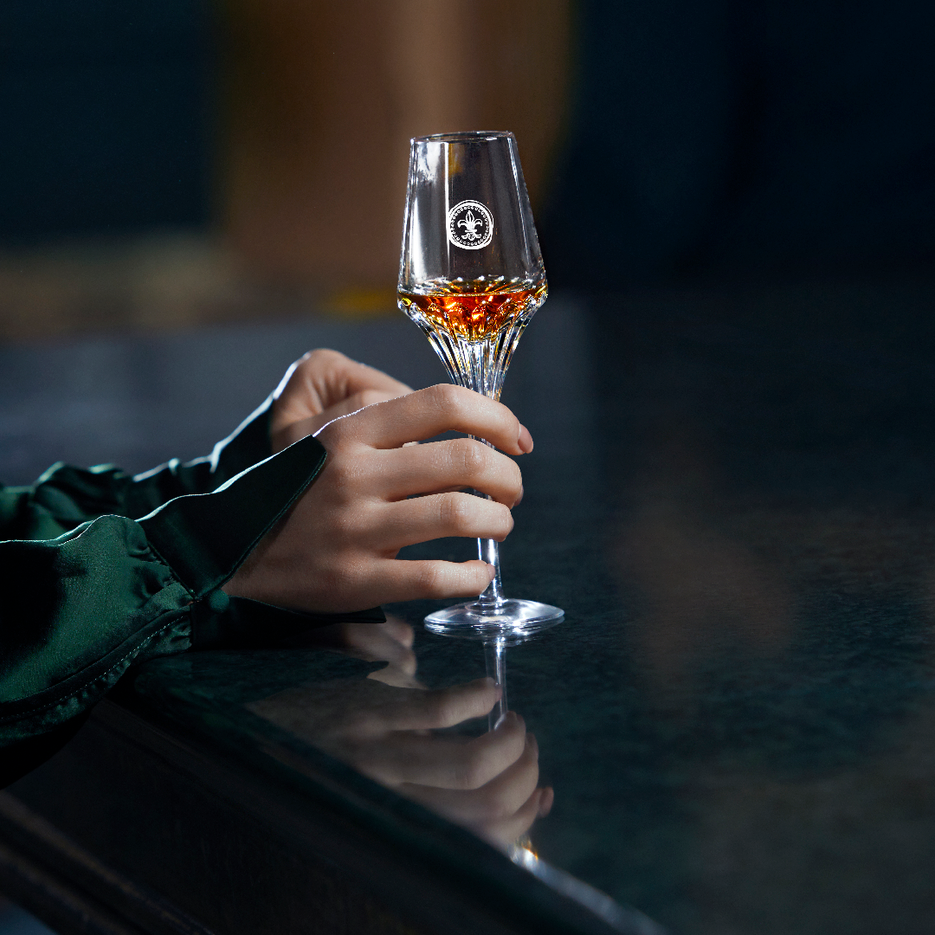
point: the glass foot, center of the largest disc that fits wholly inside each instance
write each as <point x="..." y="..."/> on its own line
<point x="481" y="620"/>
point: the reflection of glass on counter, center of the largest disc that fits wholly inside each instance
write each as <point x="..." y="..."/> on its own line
<point x="495" y="658"/>
<point x="394" y="730"/>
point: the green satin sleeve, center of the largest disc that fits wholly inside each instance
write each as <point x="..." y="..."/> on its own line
<point x="81" y="601"/>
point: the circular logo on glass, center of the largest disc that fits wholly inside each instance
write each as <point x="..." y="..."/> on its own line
<point x="470" y="225"/>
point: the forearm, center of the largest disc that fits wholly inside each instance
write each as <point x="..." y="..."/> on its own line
<point x="79" y="609"/>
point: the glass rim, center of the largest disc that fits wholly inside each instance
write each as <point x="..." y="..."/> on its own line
<point x="462" y="136"/>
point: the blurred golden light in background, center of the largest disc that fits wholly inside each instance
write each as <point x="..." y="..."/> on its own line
<point x="315" y="103"/>
<point x="321" y="100"/>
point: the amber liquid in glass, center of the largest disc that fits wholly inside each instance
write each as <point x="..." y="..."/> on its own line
<point x="473" y="311"/>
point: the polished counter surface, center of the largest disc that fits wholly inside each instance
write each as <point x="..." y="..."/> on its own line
<point x="732" y="498"/>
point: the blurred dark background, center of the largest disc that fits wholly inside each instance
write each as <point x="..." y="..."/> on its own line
<point x="725" y="140"/>
<point x="168" y="163"/>
<point x="181" y="160"/>
<point x="107" y="116"/>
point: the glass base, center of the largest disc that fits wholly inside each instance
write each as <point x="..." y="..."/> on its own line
<point x="477" y="620"/>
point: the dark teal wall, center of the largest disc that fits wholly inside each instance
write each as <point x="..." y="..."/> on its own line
<point x="105" y="116"/>
<point x="746" y="137"/>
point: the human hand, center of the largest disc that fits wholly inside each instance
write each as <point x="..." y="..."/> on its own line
<point x="336" y="549"/>
<point x="487" y="784"/>
<point x="322" y="386"/>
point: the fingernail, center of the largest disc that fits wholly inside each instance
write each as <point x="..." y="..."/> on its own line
<point x="525" y="440"/>
<point x="546" y="801"/>
<point x="519" y="499"/>
<point x="509" y="720"/>
<point x="533" y="744"/>
<point x="489" y="683"/>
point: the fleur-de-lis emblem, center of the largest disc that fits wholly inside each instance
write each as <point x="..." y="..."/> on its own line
<point x="470" y="225"/>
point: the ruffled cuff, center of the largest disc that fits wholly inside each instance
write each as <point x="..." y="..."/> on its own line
<point x="204" y="538"/>
<point x="79" y="609"/>
<point x="247" y="445"/>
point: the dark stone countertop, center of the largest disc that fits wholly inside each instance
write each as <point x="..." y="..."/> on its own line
<point x="731" y="497"/>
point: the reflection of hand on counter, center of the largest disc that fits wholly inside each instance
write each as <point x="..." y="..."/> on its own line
<point x="487" y="783"/>
<point x="389" y="642"/>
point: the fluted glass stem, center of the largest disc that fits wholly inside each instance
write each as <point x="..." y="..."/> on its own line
<point x="481" y="366"/>
<point x="488" y="550"/>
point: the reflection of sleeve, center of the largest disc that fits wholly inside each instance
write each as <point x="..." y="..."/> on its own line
<point x="86" y="591"/>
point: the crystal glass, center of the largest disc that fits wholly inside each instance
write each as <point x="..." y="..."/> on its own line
<point x="471" y="277"/>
